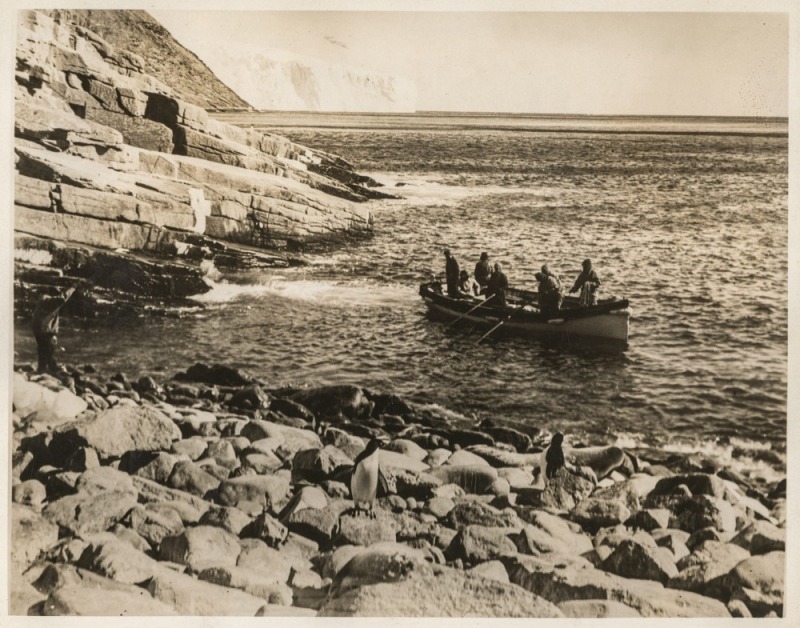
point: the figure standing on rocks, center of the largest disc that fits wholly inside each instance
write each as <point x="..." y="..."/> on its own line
<point x="451" y="271"/>
<point x="45" y="328"/>
<point x="365" y="477"/>
<point x="553" y="459"/>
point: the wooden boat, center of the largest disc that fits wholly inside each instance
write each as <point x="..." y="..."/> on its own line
<point x="608" y="320"/>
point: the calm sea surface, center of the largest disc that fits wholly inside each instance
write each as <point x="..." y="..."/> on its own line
<point x="685" y="217"/>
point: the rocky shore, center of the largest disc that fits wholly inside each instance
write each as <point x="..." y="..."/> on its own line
<point x="212" y="494"/>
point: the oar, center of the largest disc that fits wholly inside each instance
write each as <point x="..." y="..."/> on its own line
<point x="484" y="302"/>
<point x="504" y="320"/>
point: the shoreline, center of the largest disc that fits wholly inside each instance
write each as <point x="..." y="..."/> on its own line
<point x="212" y="483"/>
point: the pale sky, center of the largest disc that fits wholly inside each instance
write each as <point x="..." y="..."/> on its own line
<point x="532" y="62"/>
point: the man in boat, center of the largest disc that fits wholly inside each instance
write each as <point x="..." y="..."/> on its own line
<point x="587" y="282"/>
<point x="45" y="328"/>
<point x="550" y="293"/>
<point x="467" y="286"/>
<point x="451" y="273"/>
<point x="483" y="271"/>
<point x="497" y="286"/>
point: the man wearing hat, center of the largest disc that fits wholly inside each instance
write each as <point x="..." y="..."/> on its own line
<point x="483" y="271"/>
<point x="451" y="273"/>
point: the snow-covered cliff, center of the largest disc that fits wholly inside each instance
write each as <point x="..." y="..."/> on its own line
<point x="275" y="79"/>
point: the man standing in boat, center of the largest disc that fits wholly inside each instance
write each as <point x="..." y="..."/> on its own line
<point x="497" y="286"/>
<point x="451" y="272"/>
<point x="587" y="282"/>
<point x="550" y="294"/>
<point x="483" y="271"/>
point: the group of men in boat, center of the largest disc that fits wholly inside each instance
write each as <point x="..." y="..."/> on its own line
<point x="490" y="280"/>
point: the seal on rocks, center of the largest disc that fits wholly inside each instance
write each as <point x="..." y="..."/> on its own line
<point x="365" y="477"/>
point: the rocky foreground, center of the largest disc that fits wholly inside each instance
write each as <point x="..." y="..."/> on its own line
<point x="211" y="495"/>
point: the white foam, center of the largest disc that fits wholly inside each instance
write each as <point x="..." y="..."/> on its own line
<point x="309" y="290"/>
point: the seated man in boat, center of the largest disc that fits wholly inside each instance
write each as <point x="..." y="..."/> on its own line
<point x="467" y="286"/>
<point x="451" y="273"/>
<point x="587" y="282"/>
<point x="497" y="286"/>
<point x="483" y="270"/>
<point x="550" y="294"/>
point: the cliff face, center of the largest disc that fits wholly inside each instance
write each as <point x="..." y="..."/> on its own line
<point x="271" y="82"/>
<point x="122" y="182"/>
<point x="163" y="57"/>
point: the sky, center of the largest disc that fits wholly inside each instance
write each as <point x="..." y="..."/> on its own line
<point x="613" y="63"/>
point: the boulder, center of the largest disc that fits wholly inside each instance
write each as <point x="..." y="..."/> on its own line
<point x="191" y="478"/>
<point x="294" y="439"/>
<point x="709" y="561"/>
<point x="118" y="561"/>
<point x="306" y="497"/>
<point x="188" y="506"/>
<point x="581" y="581"/>
<point x="548" y="533"/>
<point x="255" y="583"/>
<point x="35" y="402"/>
<point x="350" y="444"/>
<point x="317" y="465"/>
<point x="564" y="491"/>
<point x="471" y="512"/>
<point x="381" y="562"/>
<point x="594" y="513"/>
<point x="96" y="600"/>
<point x="118" y="430"/>
<point x="29" y="493"/>
<point x="192" y="448"/>
<point x="226" y="517"/>
<point x="266" y="491"/>
<point x="476" y="479"/>
<point x="267" y="529"/>
<point x="159" y="468"/>
<point x="407" y="448"/>
<point x="216" y="375"/>
<point x="31" y="533"/>
<point x="451" y="593"/>
<point x="200" y="546"/>
<point x="761" y="537"/>
<point x="319" y="525"/>
<point x="86" y="513"/>
<point x="463" y="457"/>
<point x="701" y="511"/>
<point x="633" y="559"/>
<point x="360" y="530"/>
<point x="476" y="544"/>
<point x="596" y="609"/>
<point x="189" y="596"/>
<point x="154" y="525"/>
<point x="758" y="581"/>
<point x="259" y="557"/>
<point x="697" y="483"/>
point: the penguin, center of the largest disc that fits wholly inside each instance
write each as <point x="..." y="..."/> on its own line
<point x="365" y="478"/>
<point x="554" y="455"/>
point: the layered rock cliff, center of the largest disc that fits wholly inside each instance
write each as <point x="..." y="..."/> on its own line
<point x="122" y="182"/>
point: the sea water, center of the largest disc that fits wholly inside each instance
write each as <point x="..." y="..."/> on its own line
<point x="687" y="218"/>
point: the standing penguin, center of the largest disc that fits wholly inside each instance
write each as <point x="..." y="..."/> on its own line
<point x="365" y="477"/>
<point x="554" y="455"/>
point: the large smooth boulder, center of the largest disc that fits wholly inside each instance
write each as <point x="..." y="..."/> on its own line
<point x="118" y="561"/>
<point x="190" y="596"/>
<point x="31" y="534"/>
<point x="200" y="546"/>
<point x="35" y="402"/>
<point x="477" y="479"/>
<point x="86" y="513"/>
<point x="476" y="544"/>
<point x="263" y="491"/>
<point x="548" y="533"/>
<point x="93" y="600"/>
<point x="580" y="581"/>
<point x="633" y="559"/>
<point x="119" y="430"/>
<point x="450" y="593"/>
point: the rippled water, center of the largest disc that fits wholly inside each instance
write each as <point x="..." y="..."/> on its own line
<point x="691" y="228"/>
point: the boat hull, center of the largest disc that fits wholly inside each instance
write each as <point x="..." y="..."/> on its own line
<point x="608" y="320"/>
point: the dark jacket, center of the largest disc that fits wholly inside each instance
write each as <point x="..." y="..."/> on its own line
<point x="498" y="284"/>
<point x="482" y="272"/>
